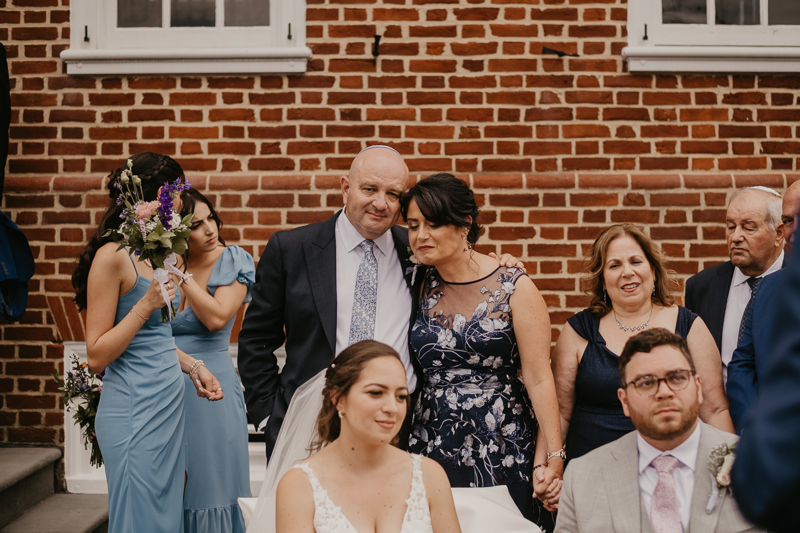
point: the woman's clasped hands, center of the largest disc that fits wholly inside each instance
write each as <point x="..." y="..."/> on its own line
<point x="547" y="484"/>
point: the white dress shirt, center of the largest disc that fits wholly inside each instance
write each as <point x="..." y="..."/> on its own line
<point x="393" y="309"/>
<point x="738" y="296"/>
<point x="684" y="472"/>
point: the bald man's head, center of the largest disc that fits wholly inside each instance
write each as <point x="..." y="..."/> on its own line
<point x="371" y="190"/>
<point x="791" y="205"/>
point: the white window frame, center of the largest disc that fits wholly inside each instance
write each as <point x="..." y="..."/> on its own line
<point x="656" y="47"/>
<point x="190" y="50"/>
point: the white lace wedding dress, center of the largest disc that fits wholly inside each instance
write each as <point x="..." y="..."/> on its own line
<point x="479" y="509"/>
<point x="328" y="517"/>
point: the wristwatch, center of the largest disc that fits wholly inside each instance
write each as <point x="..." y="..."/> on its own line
<point x="560" y="453"/>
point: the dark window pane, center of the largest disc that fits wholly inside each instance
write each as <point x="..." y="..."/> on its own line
<point x="784" y="12"/>
<point x="193" y="13"/>
<point x="683" y="11"/>
<point x="738" y="12"/>
<point x="138" y="13"/>
<point x="247" y="12"/>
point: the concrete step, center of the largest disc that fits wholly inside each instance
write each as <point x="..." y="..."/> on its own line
<point x="26" y="478"/>
<point x="64" y="513"/>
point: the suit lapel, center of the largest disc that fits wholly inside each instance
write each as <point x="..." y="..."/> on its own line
<point x="622" y="486"/>
<point x="700" y="521"/>
<point x="320" y="255"/>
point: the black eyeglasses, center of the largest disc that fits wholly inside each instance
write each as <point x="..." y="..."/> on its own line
<point x="677" y="380"/>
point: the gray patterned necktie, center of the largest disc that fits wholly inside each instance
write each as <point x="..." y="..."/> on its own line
<point x="753" y="282"/>
<point x="365" y="298"/>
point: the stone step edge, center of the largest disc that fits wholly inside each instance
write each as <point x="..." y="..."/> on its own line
<point x="17" y="463"/>
<point x="60" y="513"/>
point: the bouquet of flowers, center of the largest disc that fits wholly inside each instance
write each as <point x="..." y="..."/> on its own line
<point x="81" y="391"/>
<point x="153" y="231"/>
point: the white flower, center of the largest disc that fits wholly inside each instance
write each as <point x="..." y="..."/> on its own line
<point x="493" y="447"/>
<point x="459" y="321"/>
<point x="482" y="451"/>
<point x="508" y="429"/>
<point x="487" y="324"/>
<point x="490" y="422"/>
<point x="508" y="460"/>
<point x="474" y="359"/>
<point x="508" y="287"/>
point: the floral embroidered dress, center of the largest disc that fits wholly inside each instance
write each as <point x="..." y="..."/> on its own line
<point x="473" y="416"/>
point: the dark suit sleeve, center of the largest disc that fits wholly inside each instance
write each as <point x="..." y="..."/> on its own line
<point x="262" y="333"/>
<point x="766" y="474"/>
<point x="742" y="379"/>
<point x="689" y="300"/>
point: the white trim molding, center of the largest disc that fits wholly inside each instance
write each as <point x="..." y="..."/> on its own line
<point x="706" y="48"/>
<point x="198" y="61"/>
<point x="99" y="47"/>
<point x="765" y="59"/>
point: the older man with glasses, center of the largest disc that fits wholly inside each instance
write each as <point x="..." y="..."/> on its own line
<point x="657" y="477"/>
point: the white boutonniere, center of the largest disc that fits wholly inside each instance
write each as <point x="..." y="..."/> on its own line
<point x="720" y="464"/>
<point x="412" y="263"/>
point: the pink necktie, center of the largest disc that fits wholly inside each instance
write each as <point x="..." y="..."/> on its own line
<point x="664" y="511"/>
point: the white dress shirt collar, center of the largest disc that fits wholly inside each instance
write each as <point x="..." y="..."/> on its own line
<point x="685" y="452"/>
<point x="352" y="238"/>
<point x="739" y="277"/>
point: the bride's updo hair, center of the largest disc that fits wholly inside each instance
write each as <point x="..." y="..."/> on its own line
<point x="342" y="373"/>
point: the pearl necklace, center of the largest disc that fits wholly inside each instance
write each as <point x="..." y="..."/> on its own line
<point x="635" y="328"/>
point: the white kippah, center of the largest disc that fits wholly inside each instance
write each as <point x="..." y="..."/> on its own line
<point x="766" y="189"/>
<point x="379" y="146"/>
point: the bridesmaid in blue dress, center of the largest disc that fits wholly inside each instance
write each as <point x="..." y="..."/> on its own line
<point x="140" y="421"/>
<point x="482" y="330"/>
<point x="218" y="461"/>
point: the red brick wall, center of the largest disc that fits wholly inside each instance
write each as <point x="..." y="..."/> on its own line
<point x="556" y="148"/>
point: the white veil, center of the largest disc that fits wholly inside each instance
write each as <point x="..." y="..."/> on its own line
<point x="297" y="432"/>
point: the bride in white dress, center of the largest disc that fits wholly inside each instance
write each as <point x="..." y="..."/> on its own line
<point x="359" y="482"/>
<point x="478" y="509"/>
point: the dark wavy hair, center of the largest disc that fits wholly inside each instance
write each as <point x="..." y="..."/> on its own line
<point x="593" y="278"/>
<point x="154" y="170"/>
<point x="190" y="199"/>
<point x="342" y="373"/>
<point x="444" y="200"/>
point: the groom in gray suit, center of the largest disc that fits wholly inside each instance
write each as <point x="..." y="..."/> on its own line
<point x="655" y="479"/>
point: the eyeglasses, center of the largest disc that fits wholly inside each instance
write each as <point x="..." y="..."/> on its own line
<point x="677" y="380"/>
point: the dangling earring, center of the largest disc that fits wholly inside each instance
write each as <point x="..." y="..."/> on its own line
<point x="467" y="245"/>
<point x="341" y="414"/>
<point x="654" y="287"/>
<point x="605" y="297"/>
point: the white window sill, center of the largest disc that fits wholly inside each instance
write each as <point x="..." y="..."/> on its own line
<point x="197" y="61"/>
<point x="735" y="59"/>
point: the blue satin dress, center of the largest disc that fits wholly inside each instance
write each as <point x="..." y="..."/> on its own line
<point x="140" y="427"/>
<point x="218" y="461"/>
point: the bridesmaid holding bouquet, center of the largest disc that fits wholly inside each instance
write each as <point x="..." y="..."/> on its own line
<point x="219" y="283"/>
<point x="140" y="420"/>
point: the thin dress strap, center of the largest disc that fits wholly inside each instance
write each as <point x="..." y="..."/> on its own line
<point x="133" y="264"/>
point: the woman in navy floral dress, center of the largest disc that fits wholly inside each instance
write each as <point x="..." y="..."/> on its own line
<point x="482" y="330"/>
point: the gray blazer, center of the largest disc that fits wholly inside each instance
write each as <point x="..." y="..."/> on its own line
<point x="601" y="491"/>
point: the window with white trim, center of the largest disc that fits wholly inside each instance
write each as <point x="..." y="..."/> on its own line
<point x="186" y="37"/>
<point x="759" y="36"/>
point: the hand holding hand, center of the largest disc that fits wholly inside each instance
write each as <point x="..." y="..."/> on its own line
<point x="547" y="487"/>
<point x="206" y="384"/>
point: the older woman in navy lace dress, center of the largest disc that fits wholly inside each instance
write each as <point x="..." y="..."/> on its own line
<point x="482" y="337"/>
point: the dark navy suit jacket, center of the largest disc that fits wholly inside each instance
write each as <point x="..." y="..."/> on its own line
<point x="294" y="300"/>
<point x="766" y="474"/>
<point x="707" y="295"/>
<point x="751" y="355"/>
